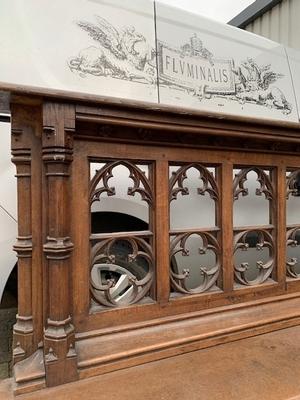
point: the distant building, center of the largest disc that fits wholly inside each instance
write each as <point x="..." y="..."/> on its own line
<point x="278" y="20"/>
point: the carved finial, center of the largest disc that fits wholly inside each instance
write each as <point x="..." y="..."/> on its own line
<point x="49" y="131"/>
<point x="18" y="350"/>
<point x="51" y="356"/>
<point x="71" y="352"/>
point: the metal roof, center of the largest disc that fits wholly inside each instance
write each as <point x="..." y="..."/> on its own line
<point x="255" y="10"/>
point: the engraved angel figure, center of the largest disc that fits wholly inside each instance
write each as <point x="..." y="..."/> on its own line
<point x="255" y="84"/>
<point x="123" y="54"/>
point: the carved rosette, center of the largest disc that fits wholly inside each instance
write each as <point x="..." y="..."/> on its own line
<point x="264" y="269"/>
<point x="114" y="280"/>
<point x="122" y="268"/>
<point x="179" y="280"/>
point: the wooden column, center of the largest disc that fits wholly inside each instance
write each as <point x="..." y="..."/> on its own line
<point x="225" y="222"/>
<point x="278" y="219"/>
<point x="162" y="232"/>
<point x="21" y="144"/>
<point x="59" y="338"/>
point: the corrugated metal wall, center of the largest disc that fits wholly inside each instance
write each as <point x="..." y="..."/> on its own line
<point x="281" y="24"/>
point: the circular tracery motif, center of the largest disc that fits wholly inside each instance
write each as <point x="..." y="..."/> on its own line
<point x="119" y="277"/>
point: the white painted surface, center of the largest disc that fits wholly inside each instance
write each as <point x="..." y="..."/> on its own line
<point x="8" y="259"/>
<point x="226" y="44"/>
<point x="8" y="207"/>
<point x="39" y="38"/>
<point x="107" y="48"/>
<point x="8" y="196"/>
<point x="294" y="61"/>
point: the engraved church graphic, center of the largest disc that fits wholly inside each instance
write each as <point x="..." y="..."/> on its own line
<point x="190" y="68"/>
<point x="123" y="54"/>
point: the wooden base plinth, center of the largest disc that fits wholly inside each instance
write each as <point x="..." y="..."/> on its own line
<point x="101" y="353"/>
<point x="128" y="346"/>
<point x="263" y="367"/>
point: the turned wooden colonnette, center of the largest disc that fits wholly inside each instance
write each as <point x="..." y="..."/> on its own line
<point x="69" y="327"/>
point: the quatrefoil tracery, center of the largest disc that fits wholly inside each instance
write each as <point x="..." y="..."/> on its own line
<point x="264" y="240"/>
<point x="210" y="274"/>
<point x="120" y="285"/>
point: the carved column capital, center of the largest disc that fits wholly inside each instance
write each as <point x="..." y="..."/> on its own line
<point x="58" y="126"/>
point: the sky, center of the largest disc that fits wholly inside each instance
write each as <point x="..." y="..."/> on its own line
<point x="220" y="10"/>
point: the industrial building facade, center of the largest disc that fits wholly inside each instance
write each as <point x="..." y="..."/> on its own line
<point x="277" y="20"/>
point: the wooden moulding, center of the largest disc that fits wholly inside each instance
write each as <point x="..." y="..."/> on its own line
<point x="129" y="345"/>
<point x="29" y="374"/>
<point x="100" y="353"/>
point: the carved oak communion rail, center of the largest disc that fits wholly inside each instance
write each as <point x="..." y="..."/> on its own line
<point x="189" y="270"/>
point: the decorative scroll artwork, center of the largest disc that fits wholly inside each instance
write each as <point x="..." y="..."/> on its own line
<point x="254" y="248"/>
<point x="190" y="67"/>
<point x="193" y="68"/>
<point x="144" y="50"/>
<point x="194" y="252"/>
<point x="122" y="263"/>
<point x="293" y="230"/>
<point x="121" y="54"/>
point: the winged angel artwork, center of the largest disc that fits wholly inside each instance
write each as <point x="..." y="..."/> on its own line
<point x="123" y="54"/>
<point x="255" y="84"/>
